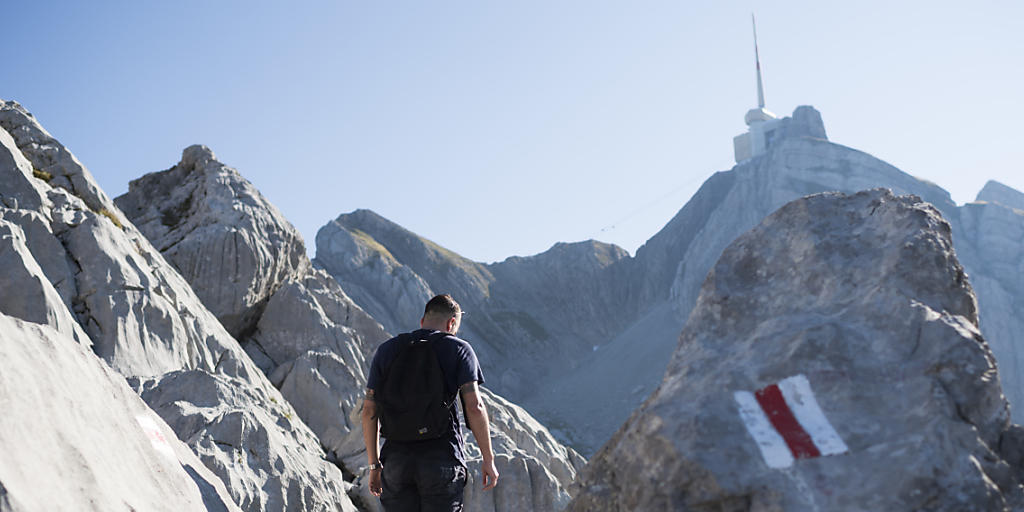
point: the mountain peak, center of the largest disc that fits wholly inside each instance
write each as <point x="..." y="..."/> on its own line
<point x="995" y="192"/>
<point x="196" y="155"/>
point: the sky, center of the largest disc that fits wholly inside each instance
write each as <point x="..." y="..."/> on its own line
<point x="501" y="128"/>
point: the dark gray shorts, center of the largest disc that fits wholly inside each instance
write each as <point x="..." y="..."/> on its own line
<point x="422" y="482"/>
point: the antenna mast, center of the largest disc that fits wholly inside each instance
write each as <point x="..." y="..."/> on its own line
<point x="757" y="59"/>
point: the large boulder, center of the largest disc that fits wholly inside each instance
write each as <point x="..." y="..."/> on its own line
<point x="832" y="362"/>
<point x="251" y="439"/>
<point x="74" y="436"/>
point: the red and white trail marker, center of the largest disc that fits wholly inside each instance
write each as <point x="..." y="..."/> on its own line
<point x="156" y="437"/>
<point x="787" y="423"/>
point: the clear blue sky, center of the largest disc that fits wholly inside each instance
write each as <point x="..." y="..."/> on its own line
<point x="499" y="128"/>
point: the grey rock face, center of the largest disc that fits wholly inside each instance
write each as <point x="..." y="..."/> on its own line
<point x="995" y="192"/>
<point x="75" y="437"/>
<point x="251" y="439"/>
<point x="299" y="326"/>
<point x="525" y="315"/>
<point x="864" y="297"/>
<point x="140" y="315"/>
<point x="313" y="341"/>
<point x="388" y="290"/>
<point x="136" y="311"/>
<point x="313" y="312"/>
<point x="326" y="343"/>
<point x="45" y="154"/>
<point x="535" y="470"/>
<point x="990" y="244"/>
<point x="218" y="230"/>
<point x="28" y="294"/>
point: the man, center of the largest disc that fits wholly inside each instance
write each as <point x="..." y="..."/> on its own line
<point x="431" y="474"/>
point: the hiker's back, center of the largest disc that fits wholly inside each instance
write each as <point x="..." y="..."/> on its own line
<point x="414" y="403"/>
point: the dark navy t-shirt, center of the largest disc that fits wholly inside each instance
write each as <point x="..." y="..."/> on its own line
<point x="459" y="366"/>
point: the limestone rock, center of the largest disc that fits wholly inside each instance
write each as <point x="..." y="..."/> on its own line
<point x="218" y="230"/>
<point x="990" y="244"/>
<point x="313" y="312"/>
<point x="863" y="297"/>
<point x="28" y="293"/>
<point x="74" y="436"/>
<point x="251" y="439"/>
<point x="20" y="187"/>
<point x="141" y="316"/>
<point x="535" y="470"/>
<point x="995" y="192"/>
<point x="299" y="326"/>
<point x="525" y="315"/>
<point x="325" y="343"/>
<point x="385" y="288"/>
<point x="46" y="154"/>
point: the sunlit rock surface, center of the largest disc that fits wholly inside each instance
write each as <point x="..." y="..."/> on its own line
<point x="132" y="308"/>
<point x="862" y="297"/>
<point x="74" y="436"/>
<point x="310" y="338"/>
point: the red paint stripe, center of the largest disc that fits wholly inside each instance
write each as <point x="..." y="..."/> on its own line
<point x="774" y="406"/>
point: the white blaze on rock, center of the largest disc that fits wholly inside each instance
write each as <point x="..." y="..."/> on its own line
<point x="787" y="423"/>
<point x="156" y="438"/>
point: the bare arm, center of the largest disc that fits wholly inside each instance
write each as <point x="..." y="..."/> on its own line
<point x="479" y="423"/>
<point x="371" y="438"/>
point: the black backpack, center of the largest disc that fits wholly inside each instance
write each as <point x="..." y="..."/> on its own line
<point x="412" y="399"/>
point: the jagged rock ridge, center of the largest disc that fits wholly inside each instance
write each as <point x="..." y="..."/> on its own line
<point x="312" y="341"/>
<point x="77" y="258"/>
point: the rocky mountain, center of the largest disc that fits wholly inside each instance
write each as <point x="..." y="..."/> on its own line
<point x="832" y="362"/>
<point x="524" y="313"/>
<point x="581" y="334"/>
<point x="216" y="367"/>
<point x="301" y="328"/>
<point x="85" y="270"/>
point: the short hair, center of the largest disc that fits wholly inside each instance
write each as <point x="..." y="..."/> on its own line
<point x="442" y="306"/>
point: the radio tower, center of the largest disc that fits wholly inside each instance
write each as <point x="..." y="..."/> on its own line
<point x="760" y="113"/>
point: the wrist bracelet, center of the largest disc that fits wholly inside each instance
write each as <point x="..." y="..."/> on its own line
<point x="375" y="465"/>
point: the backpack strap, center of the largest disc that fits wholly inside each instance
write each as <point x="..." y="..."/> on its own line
<point x="432" y="339"/>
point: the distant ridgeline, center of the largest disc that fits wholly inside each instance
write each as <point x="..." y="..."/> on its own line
<point x="580" y="334"/>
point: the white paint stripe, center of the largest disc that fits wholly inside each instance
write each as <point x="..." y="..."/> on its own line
<point x="773" y="447"/>
<point x="800" y="399"/>
<point x="156" y="437"/>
